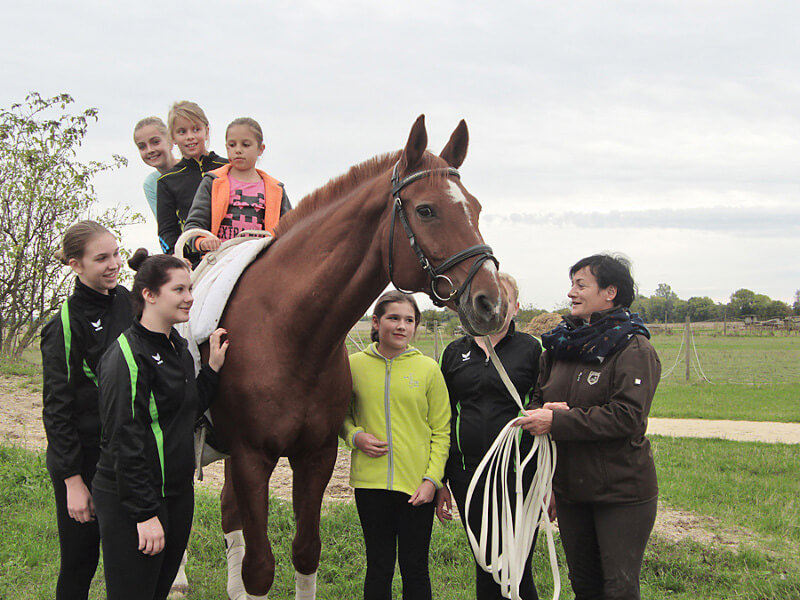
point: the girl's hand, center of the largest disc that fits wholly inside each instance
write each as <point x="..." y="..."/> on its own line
<point x="151" y="536"/>
<point x="209" y="244"/>
<point x="79" y="500"/>
<point x="556" y="406"/>
<point x="370" y="445"/>
<point x="217" y="349"/>
<point x="538" y="421"/>
<point x="424" y="494"/>
<point x="551" y="508"/>
<point x="444" y="504"/>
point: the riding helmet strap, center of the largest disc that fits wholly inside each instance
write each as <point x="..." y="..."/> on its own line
<point x="482" y="251"/>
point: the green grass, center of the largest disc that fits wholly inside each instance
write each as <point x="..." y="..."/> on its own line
<point x="733" y="359"/>
<point x="693" y="475"/>
<point x="750" y="485"/>
<point x="777" y="402"/>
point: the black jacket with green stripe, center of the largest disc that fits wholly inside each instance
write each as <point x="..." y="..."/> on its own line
<point x="86" y="325"/>
<point x="149" y="402"/>
<point x="481" y="405"/>
<point x="175" y="192"/>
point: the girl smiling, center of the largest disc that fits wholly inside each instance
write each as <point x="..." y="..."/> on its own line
<point x="399" y="428"/>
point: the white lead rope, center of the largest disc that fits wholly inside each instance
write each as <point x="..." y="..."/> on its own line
<point x="512" y="531"/>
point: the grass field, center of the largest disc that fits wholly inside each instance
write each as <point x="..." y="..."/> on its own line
<point x="695" y="476"/>
<point x="751" y="487"/>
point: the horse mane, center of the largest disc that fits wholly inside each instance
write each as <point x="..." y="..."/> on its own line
<point x="335" y="188"/>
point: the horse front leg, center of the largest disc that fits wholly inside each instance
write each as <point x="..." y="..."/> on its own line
<point x="250" y="472"/>
<point x="310" y="475"/>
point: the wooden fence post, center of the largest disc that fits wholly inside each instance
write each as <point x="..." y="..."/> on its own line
<point x="687" y="341"/>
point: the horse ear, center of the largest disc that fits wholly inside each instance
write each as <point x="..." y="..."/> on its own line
<point x="455" y="151"/>
<point x="415" y="146"/>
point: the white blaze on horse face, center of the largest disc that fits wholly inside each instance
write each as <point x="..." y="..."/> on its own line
<point x="456" y="195"/>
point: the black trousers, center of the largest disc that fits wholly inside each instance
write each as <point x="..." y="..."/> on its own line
<point x="604" y="545"/>
<point x="395" y="530"/>
<point x="131" y="574"/>
<point x="485" y="586"/>
<point x="79" y="542"/>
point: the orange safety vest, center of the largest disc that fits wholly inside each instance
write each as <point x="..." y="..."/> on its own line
<point x="221" y="196"/>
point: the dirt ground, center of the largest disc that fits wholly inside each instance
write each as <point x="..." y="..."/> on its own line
<point x="21" y="425"/>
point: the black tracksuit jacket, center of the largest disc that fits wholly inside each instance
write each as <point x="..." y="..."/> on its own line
<point x="149" y="402"/>
<point x="175" y="192"/>
<point x="84" y="328"/>
<point x="479" y="400"/>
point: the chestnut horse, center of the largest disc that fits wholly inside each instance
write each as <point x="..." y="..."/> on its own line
<point x="286" y="382"/>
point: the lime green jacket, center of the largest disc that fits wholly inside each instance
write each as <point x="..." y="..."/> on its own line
<point x="404" y="402"/>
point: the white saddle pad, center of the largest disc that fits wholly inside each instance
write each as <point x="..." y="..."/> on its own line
<point x="213" y="281"/>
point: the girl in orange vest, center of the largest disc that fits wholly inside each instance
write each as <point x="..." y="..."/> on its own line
<point x="237" y="196"/>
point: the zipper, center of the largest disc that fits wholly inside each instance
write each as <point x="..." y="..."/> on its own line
<point x="387" y="409"/>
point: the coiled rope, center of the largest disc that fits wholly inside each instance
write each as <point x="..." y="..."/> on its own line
<point x="512" y="530"/>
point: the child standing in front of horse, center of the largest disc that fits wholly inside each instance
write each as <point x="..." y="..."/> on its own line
<point x="152" y="140"/>
<point x="149" y="401"/>
<point x="237" y="197"/>
<point x="398" y="426"/>
<point x="188" y="129"/>
<point x="73" y="341"/>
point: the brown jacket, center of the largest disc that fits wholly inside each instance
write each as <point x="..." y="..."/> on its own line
<point x="603" y="454"/>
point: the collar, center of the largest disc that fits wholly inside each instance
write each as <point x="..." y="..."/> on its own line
<point x="92" y="297"/>
<point x="372" y="350"/>
<point x="174" y="340"/>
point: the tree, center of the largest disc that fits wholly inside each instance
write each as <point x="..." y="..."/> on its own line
<point x="663" y="308"/>
<point x="796" y="305"/>
<point x="701" y="309"/>
<point x="44" y="188"/>
<point x="743" y="302"/>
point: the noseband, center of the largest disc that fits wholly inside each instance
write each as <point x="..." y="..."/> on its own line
<point x="483" y="252"/>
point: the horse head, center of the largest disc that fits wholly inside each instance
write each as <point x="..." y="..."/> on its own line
<point x="437" y="247"/>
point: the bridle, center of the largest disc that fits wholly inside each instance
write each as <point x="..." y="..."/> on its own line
<point x="483" y="252"/>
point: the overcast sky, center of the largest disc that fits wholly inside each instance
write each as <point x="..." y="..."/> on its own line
<point x="669" y="131"/>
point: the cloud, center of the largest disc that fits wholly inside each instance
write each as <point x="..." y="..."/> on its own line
<point x="773" y="221"/>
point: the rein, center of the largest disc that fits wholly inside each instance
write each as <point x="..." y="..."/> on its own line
<point x="483" y="252"/>
<point x="512" y="534"/>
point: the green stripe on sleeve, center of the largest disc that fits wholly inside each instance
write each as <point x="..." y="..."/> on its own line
<point x="159" y="435"/>
<point x="67" y="333"/>
<point x="133" y="369"/>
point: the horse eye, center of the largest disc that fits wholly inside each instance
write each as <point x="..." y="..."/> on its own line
<point x="426" y="212"/>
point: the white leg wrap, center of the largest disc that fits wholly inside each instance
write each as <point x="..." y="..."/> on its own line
<point x="235" y="553"/>
<point x="305" y="586"/>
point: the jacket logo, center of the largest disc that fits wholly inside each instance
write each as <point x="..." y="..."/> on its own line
<point x="411" y="381"/>
<point x="97" y="326"/>
<point x="593" y="377"/>
<point x="157" y="358"/>
<point x="465" y="357"/>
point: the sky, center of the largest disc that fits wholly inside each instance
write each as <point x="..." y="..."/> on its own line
<point x="667" y="131"/>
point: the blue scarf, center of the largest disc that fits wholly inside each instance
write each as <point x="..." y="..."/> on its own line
<point x="576" y="340"/>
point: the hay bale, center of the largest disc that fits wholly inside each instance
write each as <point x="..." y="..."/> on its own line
<point x="542" y="323"/>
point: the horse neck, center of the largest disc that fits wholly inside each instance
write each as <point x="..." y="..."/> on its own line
<point x="333" y="260"/>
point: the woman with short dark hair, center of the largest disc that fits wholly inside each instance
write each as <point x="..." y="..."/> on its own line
<point x="596" y="383"/>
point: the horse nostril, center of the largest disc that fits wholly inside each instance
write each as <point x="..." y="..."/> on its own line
<point x="483" y="306"/>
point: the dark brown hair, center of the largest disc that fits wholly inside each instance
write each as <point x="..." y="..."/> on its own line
<point x="388" y="298"/>
<point x="610" y="269"/>
<point x="151" y="273"/>
<point x="73" y="245"/>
